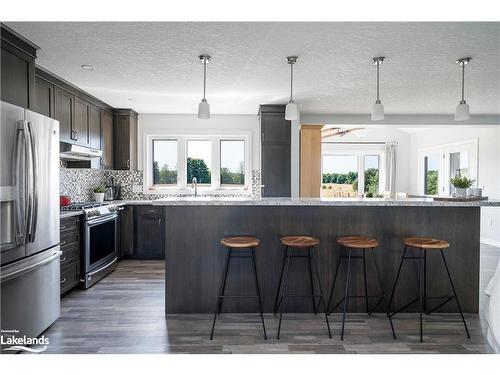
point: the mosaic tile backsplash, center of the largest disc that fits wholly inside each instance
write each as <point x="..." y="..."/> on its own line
<point x="78" y="183"/>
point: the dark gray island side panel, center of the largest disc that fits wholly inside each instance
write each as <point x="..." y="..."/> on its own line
<point x="195" y="258"/>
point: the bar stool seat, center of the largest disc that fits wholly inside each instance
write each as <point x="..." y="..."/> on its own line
<point x="426" y="243"/>
<point x="356" y="242"/>
<point x="240" y="242"/>
<point x="299" y="241"/>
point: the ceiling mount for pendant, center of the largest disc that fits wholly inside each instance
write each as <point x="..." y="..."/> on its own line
<point x="291" y="111"/>
<point x="462" y="111"/>
<point x="204" y="107"/>
<point x="378" y="107"/>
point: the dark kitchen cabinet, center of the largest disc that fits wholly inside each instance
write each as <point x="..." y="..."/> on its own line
<point x="17" y="68"/>
<point x="63" y="112"/>
<point x="81" y="123"/>
<point x="107" y="140"/>
<point x="125" y="139"/>
<point x="149" y="233"/>
<point x="276" y="151"/>
<point x="126" y="232"/>
<point x="44" y="97"/>
<point x="95" y="127"/>
<point x="71" y="243"/>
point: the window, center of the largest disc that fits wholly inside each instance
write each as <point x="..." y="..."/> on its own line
<point x="219" y="162"/>
<point x="165" y="162"/>
<point x="438" y="164"/>
<point x="199" y="161"/>
<point x="350" y="169"/>
<point x="431" y="175"/>
<point x="340" y="176"/>
<point x="372" y="170"/>
<point x="232" y="163"/>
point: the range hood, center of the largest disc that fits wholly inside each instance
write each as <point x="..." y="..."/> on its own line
<point x="69" y="151"/>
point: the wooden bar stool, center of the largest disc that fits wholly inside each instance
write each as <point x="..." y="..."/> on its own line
<point x="423" y="245"/>
<point x="236" y="246"/>
<point x="350" y="244"/>
<point x="300" y="243"/>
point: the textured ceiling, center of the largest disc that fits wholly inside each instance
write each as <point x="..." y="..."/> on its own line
<point x="156" y="64"/>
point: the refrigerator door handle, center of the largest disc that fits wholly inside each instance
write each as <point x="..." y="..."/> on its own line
<point x="19" y="186"/>
<point x="21" y="271"/>
<point x="34" y="187"/>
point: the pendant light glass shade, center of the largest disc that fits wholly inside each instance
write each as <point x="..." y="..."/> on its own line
<point x="204" y="107"/>
<point x="204" y="110"/>
<point x="291" y="110"/>
<point x="462" y="110"/>
<point x="377" y="111"/>
<point x="378" y="107"/>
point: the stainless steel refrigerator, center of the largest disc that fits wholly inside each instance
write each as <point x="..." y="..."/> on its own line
<point x="29" y="221"/>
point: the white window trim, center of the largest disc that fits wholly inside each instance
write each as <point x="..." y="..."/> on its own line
<point x="443" y="151"/>
<point x="182" y="187"/>
<point x="361" y="150"/>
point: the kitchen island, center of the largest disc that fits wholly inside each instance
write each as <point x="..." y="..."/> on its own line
<point x="195" y="258"/>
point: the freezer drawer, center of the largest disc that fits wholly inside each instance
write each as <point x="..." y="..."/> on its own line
<point x="30" y="300"/>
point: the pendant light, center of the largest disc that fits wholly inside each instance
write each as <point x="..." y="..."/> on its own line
<point x="291" y="111"/>
<point x="378" y="107"/>
<point x="462" y="111"/>
<point x="204" y="107"/>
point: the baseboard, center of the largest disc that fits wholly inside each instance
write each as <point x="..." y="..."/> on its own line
<point x="488" y="241"/>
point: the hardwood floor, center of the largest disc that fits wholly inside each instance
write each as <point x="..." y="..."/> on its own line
<point x="124" y="313"/>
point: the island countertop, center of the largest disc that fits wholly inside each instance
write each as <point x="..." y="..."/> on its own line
<point x="248" y="201"/>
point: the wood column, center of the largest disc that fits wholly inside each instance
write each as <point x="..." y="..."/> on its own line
<point x="310" y="160"/>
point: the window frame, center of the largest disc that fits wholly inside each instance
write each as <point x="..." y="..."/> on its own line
<point x="182" y="186"/>
<point x="152" y="159"/>
<point x="360" y="150"/>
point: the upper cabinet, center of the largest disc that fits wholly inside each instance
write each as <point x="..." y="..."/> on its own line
<point x="125" y="139"/>
<point x="107" y="140"/>
<point x="82" y="122"/>
<point x="95" y="127"/>
<point x="276" y="151"/>
<point x="17" y="68"/>
<point x="44" y="97"/>
<point x="63" y="112"/>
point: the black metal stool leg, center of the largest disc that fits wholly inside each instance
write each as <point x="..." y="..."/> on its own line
<point x="334" y="280"/>
<point x="397" y="278"/>
<point x="311" y="281"/>
<point x="366" y="283"/>
<point x="258" y="292"/>
<point x="279" y="283"/>
<point x="455" y="294"/>
<point x="421" y="272"/>
<point x="425" y="283"/>
<point x="221" y="292"/>
<point x="285" y="288"/>
<point x="322" y="296"/>
<point x="346" y="294"/>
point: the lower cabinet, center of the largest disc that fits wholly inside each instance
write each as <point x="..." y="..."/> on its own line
<point x="71" y="244"/>
<point x="142" y="233"/>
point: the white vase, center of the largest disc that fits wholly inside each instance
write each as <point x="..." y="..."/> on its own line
<point x="460" y="192"/>
<point x="99" y="197"/>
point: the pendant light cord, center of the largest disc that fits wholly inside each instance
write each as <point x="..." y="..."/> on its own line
<point x="378" y="83"/>
<point x="463" y="79"/>
<point x="204" y="77"/>
<point x="291" y="82"/>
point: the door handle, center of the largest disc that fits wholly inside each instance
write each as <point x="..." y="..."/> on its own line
<point x="128" y="163"/>
<point x="62" y="281"/>
<point x="76" y="134"/>
<point x="34" y="171"/>
<point x="19" y="188"/>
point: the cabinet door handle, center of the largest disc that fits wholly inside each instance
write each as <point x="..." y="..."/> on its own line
<point x="63" y="227"/>
<point x="62" y="243"/>
<point x="63" y="259"/>
<point x="62" y="281"/>
<point x="159" y="221"/>
<point x="128" y="163"/>
<point x="76" y="133"/>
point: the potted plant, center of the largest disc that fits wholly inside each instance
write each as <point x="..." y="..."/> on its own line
<point x="99" y="193"/>
<point x="461" y="184"/>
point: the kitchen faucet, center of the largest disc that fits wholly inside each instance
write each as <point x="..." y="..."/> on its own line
<point x="194" y="185"/>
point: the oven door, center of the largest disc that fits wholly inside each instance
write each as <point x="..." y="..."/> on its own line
<point x="99" y="242"/>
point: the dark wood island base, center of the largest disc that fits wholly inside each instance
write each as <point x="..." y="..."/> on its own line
<point x="194" y="260"/>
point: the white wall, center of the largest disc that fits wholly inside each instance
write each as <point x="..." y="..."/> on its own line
<point x="489" y="166"/>
<point x="167" y="123"/>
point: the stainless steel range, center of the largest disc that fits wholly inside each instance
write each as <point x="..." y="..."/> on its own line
<point x="99" y="255"/>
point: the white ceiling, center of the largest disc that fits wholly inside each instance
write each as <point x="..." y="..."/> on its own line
<point x="156" y="64"/>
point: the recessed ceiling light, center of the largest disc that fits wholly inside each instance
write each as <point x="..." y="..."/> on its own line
<point x="131" y="99"/>
<point x="88" y="67"/>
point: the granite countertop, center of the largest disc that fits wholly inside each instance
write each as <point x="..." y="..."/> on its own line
<point x="242" y="201"/>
